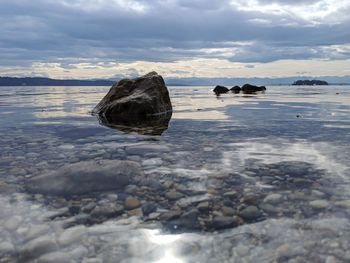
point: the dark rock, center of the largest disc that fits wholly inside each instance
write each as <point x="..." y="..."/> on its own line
<point x="137" y="105"/>
<point x="188" y="221"/>
<point x="220" y="89"/>
<point x="222" y="222"/>
<point x="248" y="89"/>
<point x="85" y="177"/>
<point x="236" y="89"/>
<point x="107" y="210"/>
<point x="148" y="208"/>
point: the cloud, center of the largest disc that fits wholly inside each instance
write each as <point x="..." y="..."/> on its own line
<point x="124" y="31"/>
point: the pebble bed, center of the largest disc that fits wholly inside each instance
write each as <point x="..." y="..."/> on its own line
<point x="248" y="188"/>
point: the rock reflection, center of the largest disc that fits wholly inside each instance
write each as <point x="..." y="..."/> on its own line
<point x="150" y="125"/>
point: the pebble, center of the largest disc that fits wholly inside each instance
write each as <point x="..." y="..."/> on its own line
<point x="319" y="204"/>
<point x="108" y="209"/>
<point x="203" y="206"/>
<point x="221" y="222"/>
<point x="36" y="231"/>
<point x="71" y="235"/>
<point x="13" y="223"/>
<point x="131" y="203"/>
<point x="39" y="246"/>
<point x="231" y="194"/>
<point x="250" y="213"/>
<point x="6" y="248"/>
<point x="273" y="198"/>
<point x="228" y="211"/>
<point x="55" y="257"/>
<point x="343" y="203"/>
<point x="173" y="195"/>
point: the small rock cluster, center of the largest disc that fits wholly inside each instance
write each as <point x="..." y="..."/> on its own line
<point x="245" y="89"/>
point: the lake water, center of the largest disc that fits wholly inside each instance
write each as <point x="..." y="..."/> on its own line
<point x="235" y="178"/>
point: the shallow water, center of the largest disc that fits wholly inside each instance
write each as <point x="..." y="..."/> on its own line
<point x="235" y="178"/>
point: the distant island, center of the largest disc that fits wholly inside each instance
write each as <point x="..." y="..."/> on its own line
<point x="313" y="82"/>
<point x="38" y="81"/>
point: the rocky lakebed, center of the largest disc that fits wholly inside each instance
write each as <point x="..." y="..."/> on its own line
<point x="234" y="178"/>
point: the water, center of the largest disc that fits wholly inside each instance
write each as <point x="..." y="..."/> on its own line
<point x="255" y="178"/>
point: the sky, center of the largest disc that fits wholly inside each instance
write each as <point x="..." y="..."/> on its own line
<point x="177" y="38"/>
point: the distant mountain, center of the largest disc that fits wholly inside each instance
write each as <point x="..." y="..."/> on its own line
<point x="38" y="81"/>
<point x="10" y="81"/>
<point x="310" y="82"/>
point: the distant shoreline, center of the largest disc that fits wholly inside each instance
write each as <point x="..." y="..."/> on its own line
<point x="39" y="81"/>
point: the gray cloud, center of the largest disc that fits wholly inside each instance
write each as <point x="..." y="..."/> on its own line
<point x="49" y="31"/>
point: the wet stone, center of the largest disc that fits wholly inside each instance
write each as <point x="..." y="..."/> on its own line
<point x="222" y="222"/>
<point x="319" y="204"/>
<point x="228" y="211"/>
<point x="203" y="206"/>
<point x="54" y="257"/>
<point x="131" y="203"/>
<point x="38" y="247"/>
<point x="273" y="198"/>
<point x="251" y="213"/>
<point x="173" y="195"/>
<point x="107" y="210"/>
<point x="148" y="208"/>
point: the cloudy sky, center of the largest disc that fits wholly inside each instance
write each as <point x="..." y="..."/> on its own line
<point x="177" y="38"/>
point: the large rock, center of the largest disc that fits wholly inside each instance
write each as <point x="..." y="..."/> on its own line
<point x="220" y="89"/>
<point x="137" y="105"/>
<point x="85" y="177"/>
<point x="248" y="88"/>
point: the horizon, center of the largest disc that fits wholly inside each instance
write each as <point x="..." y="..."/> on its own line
<point x="100" y="39"/>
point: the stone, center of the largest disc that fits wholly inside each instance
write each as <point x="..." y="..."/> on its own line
<point x="187" y="221"/>
<point x="13" y="223"/>
<point x="231" y="194"/>
<point x="38" y="247"/>
<point x="85" y="177"/>
<point x="319" y="204"/>
<point x="6" y="248"/>
<point x="54" y="257"/>
<point x="107" y="210"/>
<point x="250" y="213"/>
<point x="136" y="105"/>
<point x="273" y="198"/>
<point x="220" y="90"/>
<point x="131" y="203"/>
<point x="71" y="235"/>
<point x="222" y="222"/>
<point x="236" y="89"/>
<point x="228" y="211"/>
<point x="203" y="206"/>
<point x="173" y="195"/>
<point x="148" y="208"/>
<point x="248" y="88"/>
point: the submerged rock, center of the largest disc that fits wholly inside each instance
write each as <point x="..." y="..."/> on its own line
<point x="85" y="177"/>
<point x="247" y="88"/>
<point x="220" y="89"/>
<point x="142" y="105"/>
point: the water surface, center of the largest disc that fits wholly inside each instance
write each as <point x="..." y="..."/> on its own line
<point x="235" y="178"/>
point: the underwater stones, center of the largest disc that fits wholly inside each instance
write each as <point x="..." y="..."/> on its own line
<point x="220" y="90"/>
<point x="273" y="198"/>
<point x="85" y="177"/>
<point x="136" y="105"/>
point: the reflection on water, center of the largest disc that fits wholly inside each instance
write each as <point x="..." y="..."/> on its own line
<point x="151" y="125"/>
<point x="258" y="178"/>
